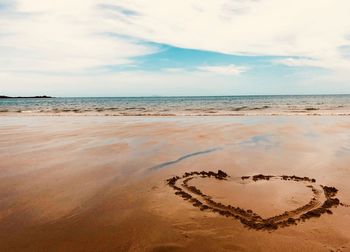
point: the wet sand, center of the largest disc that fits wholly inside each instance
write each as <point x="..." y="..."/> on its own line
<point x="75" y="183"/>
<point x="287" y="195"/>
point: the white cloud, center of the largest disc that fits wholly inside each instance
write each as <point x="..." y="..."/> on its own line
<point x="229" y="70"/>
<point x="135" y="83"/>
<point x="226" y="70"/>
<point x="174" y="69"/>
<point x="73" y="37"/>
<point x="297" y="62"/>
<point x="61" y="36"/>
<point x="312" y="29"/>
<point x="70" y="35"/>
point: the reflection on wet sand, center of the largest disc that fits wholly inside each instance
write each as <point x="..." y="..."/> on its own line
<point x="85" y="183"/>
<point x="183" y="158"/>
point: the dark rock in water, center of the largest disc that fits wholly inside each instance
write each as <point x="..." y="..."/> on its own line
<point x="24" y="97"/>
<point x="311" y="108"/>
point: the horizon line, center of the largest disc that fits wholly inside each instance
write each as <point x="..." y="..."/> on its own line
<point x="173" y="96"/>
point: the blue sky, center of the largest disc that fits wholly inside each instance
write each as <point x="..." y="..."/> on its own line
<point x="170" y="57"/>
<point x="167" y="57"/>
<point x="131" y="48"/>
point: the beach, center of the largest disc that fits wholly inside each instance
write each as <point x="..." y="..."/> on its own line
<point x="174" y="126"/>
<point x="101" y="183"/>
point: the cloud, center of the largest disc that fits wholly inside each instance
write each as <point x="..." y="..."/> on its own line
<point x="135" y="83"/>
<point x="310" y="29"/>
<point x="41" y="41"/>
<point x="71" y="35"/>
<point x="226" y="70"/>
<point x="6" y="5"/>
<point x="62" y="37"/>
<point x="116" y="8"/>
<point x="174" y="70"/>
<point x="300" y="62"/>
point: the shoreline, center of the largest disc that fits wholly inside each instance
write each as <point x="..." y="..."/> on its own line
<point x="104" y="114"/>
<point x="182" y="106"/>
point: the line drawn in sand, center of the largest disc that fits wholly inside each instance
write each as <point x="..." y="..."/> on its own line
<point x="313" y="209"/>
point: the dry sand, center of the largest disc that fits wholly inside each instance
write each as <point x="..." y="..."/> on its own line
<point x="86" y="183"/>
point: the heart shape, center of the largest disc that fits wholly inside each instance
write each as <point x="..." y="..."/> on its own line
<point x="270" y="197"/>
<point x="249" y="218"/>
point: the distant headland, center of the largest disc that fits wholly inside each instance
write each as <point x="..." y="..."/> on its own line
<point x="24" y="97"/>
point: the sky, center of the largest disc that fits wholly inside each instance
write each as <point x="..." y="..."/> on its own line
<point x="172" y="48"/>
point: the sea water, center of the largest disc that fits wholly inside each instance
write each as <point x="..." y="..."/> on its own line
<point x="184" y="105"/>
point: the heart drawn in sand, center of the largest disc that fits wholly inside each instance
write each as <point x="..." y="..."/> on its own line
<point x="249" y="218"/>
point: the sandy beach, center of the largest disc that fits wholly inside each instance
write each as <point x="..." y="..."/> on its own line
<point x="163" y="126"/>
<point x="75" y="183"/>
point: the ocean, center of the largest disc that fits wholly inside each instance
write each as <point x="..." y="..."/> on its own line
<point x="187" y="106"/>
